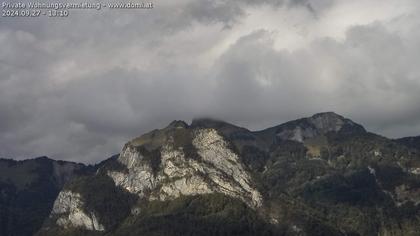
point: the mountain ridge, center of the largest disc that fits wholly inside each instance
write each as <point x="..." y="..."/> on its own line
<point x="28" y="189"/>
<point x="411" y="142"/>
<point x="320" y="175"/>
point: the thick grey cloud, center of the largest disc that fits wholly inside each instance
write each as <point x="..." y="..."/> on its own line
<point x="78" y="88"/>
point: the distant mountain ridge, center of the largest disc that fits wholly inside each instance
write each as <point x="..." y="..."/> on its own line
<point x="321" y="175"/>
<point x="411" y="142"/>
<point x="28" y="190"/>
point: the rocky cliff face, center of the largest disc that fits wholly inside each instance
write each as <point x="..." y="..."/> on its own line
<point x="69" y="212"/>
<point x="164" y="165"/>
<point x="322" y="175"/>
<point x="203" y="164"/>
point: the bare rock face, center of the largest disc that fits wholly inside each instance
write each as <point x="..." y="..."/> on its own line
<point x="68" y="211"/>
<point x="298" y="134"/>
<point x="140" y="176"/>
<point x="328" y="122"/>
<point x="202" y="163"/>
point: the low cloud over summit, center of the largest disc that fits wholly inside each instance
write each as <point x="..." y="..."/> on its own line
<point x="78" y="88"/>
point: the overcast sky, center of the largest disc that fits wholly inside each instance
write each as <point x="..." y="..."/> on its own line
<point x="78" y="88"/>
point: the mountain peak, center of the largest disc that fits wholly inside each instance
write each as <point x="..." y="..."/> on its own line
<point x="209" y="123"/>
<point x="328" y="114"/>
<point x="316" y="125"/>
<point x="330" y="121"/>
<point x="178" y="124"/>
